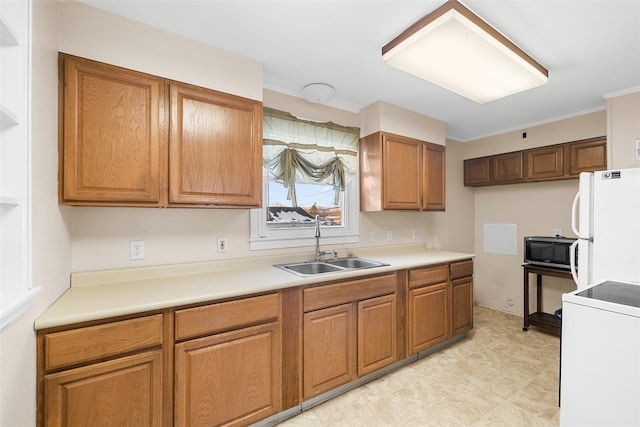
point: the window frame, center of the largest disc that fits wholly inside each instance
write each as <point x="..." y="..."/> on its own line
<point x="263" y="237"/>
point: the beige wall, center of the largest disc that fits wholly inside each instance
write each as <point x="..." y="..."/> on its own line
<point x="101" y="235"/>
<point x="51" y="227"/>
<point x="92" y="33"/>
<point x="539" y="208"/>
<point x="623" y="126"/>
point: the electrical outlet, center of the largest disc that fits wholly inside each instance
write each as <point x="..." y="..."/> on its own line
<point x="136" y="249"/>
<point x="222" y="244"/>
<point x="638" y="149"/>
<point x="372" y="236"/>
<point x="389" y="235"/>
<point x="414" y="234"/>
<point x="557" y="232"/>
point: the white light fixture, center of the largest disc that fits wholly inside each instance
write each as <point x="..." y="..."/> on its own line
<point x="454" y="48"/>
<point x="318" y="93"/>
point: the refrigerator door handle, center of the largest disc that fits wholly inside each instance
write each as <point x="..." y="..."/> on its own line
<point x="574" y="216"/>
<point x="572" y="261"/>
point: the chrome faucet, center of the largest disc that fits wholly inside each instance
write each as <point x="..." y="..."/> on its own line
<point x="320" y="253"/>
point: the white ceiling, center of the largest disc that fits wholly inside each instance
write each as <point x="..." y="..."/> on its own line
<point x="590" y="47"/>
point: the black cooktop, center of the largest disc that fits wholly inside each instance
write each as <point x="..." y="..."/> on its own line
<point x="616" y="292"/>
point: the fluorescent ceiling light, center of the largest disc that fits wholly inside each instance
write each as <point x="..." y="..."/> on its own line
<point x="454" y="48"/>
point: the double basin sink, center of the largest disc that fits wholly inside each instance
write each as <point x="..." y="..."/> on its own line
<point x="313" y="268"/>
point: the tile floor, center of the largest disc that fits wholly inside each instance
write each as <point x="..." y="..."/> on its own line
<point x="498" y="376"/>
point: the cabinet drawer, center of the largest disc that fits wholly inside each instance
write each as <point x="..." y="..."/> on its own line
<point x="96" y="342"/>
<point x="344" y="292"/>
<point x="208" y="319"/>
<point x="461" y="269"/>
<point x="428" y="275"/>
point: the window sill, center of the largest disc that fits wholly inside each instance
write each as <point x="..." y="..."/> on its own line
<point x="12" y="313"/>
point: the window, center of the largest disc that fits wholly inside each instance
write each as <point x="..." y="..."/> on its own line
<point x="310" y="170"/>
<point x="15" y="152"/>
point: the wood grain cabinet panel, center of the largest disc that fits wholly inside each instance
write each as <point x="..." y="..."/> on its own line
<point x="377" y="333"/>
<point x="433" y="177"/>
<point x="224" y="316"/>
<point x="477" y="171"/>
<point x="507" y="168"/>
<point x="545" y="163"/>
<point x="462" y="305"/>
<point x="586" y="156"/>
<point x="126" y="391"/>
<point x="428" y="316"/>
<point x="329" y="355"/>
<point x="215" y="148"/>
<point x="230" y="379"/>
<point x="81" y="345"/>
<point x="401" y="173"/>
<point x="112" y="150"/>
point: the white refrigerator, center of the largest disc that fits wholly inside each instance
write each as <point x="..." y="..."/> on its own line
<point x="600" y="342"/>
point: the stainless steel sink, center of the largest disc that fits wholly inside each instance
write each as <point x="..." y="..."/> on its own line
<point x="308" y="268"/>
<point x="355" y="263"/>
<point x="313" y="268"/>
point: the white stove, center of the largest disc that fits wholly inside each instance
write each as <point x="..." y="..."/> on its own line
<point x="600" y="366"/>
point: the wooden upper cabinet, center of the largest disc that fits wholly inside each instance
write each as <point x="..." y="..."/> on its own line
<point x="507" y="168"/>
<point x="586" y="156"/>
<point x="433" y="177"/>
<point x="111" y="142"/>
<point x="477" y="171"/>
<point x="401" y="173"/>
<point x="553" y="162"/>
<point x="545" y="163"/>
<point x="215" y="155"/>
<point x="133" y="139"/>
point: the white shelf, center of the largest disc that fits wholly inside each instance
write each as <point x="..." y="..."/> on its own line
<point x="7" y="118"/>
<point x="7" y="36"/>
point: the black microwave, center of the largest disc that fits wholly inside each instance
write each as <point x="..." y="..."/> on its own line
<point x="549" y="251"/>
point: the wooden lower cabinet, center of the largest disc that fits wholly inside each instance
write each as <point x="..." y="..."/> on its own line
<point x="377" y="333"/>
<point x="349" y="329"/>
<point x="229" y="379"/>
<point x="427" y="316"/>
<point x="462" y="305"/>
<point x="329" y="349"/>
<point x="461" y="274"/>
<point x="126" y="391"/>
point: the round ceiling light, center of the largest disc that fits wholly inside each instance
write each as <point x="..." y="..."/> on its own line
<point x="318" y="93"/>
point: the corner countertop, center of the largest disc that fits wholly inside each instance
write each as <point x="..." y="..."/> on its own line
<point x="95" y="295"/>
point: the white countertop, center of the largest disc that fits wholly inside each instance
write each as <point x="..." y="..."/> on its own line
<point x="102" y="294"/>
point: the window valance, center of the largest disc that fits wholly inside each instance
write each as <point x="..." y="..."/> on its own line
<point x="307" y="151"/>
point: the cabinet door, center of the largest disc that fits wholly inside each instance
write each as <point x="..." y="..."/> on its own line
<point x="433" y="177"/>
<point x="126" y="392"/>
<point x="112" y="150"/>
<point x="507" y="167"/>
<point x="402" y="172"/>
<point x="477" y="171"/>
<point x="587" y="156"/>
<point x="427" y="316"/>
<point x="377" y="333"/>
<point x="462" y="303"/>
<point x="215" y="148"/>
<point x="229" y="379"/>
<point x="329" y="354"/>
<point x="545" y="163"/>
